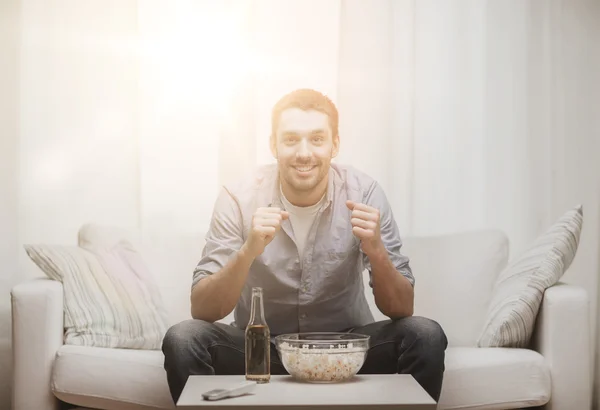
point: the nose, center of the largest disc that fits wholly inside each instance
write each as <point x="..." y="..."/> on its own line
<point x="303" y="149"/>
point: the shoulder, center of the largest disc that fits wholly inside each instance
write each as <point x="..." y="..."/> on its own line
<point x="253" y="189"/>
<point x="252" y="181"/>
<point x="360" y="186"/>
<point x="354" y="179"/>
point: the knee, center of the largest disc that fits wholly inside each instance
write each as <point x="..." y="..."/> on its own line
<point x="425" y="333"/>
<point x="181" y="337"/>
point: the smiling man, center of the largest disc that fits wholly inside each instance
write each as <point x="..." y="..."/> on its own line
<point x="304" y="230"/>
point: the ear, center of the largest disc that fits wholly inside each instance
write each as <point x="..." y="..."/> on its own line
<point x="336" y="146"/>
<point x="273" y="145"/>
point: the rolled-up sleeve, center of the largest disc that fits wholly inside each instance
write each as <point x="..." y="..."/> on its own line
<point x="223" y="238"/>
<point x="390" y="234"/>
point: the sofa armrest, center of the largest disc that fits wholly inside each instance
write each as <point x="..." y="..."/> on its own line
<point x="37" y="334"/>
<point x="562" y="336"/>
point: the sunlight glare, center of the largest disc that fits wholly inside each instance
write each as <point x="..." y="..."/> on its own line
<point x="201" y="57"/>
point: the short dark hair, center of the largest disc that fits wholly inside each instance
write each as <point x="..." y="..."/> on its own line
<point x="305" y="99"/>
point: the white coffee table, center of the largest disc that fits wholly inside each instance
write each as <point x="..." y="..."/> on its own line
<point x="385" y="391"/>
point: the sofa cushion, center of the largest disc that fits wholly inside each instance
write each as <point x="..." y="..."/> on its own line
<point x="110" y="297"/>
<point x="114" y="379"/>
<point x="494" y="378"/>
<point x="519" y="289"/>
<point x="454" y="276"/>
<point x="122" y="379"/>
<point x="171" y="256"/>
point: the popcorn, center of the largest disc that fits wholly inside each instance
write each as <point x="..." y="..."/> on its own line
<point x="322" y="364"/>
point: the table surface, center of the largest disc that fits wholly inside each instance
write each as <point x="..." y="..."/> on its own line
<point x="377" y="391"/>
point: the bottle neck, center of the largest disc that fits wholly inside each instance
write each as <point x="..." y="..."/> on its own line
<point x="257" y="312"/>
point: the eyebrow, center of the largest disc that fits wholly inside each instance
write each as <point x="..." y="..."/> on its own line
<point x="296" y="133"/>
<point x="289" y="133"/>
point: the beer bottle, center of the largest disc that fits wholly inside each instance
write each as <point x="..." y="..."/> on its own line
<point x="258" y="341"/>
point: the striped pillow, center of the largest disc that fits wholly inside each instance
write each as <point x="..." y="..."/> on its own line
<point x="519" y="289"/>
<point x="110" y="297"/>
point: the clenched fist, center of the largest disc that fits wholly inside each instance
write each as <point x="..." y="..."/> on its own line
<point x="266" y="222"/>
<point x="366" y="227"/>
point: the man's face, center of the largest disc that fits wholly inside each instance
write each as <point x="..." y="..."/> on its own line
<point x="304" y="148"/>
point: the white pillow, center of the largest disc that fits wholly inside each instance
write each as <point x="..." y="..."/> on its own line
<point x="519" y="289"/>
<point x="172" y="255"/>
<point x="110" y="298"/>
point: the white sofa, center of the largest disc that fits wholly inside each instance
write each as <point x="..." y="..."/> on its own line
<point x="454" y="280"/>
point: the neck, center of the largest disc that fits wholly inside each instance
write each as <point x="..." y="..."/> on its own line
<point x="305" y="198"/>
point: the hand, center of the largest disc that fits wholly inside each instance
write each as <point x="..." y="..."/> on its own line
<point x="266" y="222"/>
<point x="366" y="227"/>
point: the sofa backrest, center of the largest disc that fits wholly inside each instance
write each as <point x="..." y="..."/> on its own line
<point x="454" y="277"/>
<point x="454" y="274"/>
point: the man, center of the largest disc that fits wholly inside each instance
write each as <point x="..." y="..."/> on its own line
<point x="304" y="230"/>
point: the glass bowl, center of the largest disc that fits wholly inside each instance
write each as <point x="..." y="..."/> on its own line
<point x="322" y="357"/>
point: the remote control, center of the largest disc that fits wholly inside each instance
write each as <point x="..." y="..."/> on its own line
<point x="238" y="390"/>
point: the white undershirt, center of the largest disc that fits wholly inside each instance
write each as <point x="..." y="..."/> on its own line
<point x="302" y="219"/>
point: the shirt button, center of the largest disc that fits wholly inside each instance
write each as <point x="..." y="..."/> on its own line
<point x="303" y="316"/>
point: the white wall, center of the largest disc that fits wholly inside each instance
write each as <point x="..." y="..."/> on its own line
<point x="9" y="125"/>
<point x="78" y="99"/>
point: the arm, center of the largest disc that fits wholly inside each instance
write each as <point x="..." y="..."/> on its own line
<point x="394" y="293"/>
<point x="37" y="334"/>
<point x="221" y="274"/>
<point x="390" y="274"/>
<point x="216" y="295"/>
<point x="562" y="336"/>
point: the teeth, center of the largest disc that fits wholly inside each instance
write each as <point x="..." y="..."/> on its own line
<point x="304" y="169"/>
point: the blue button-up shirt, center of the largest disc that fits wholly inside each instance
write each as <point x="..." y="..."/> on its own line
<point x="324" y="290"/>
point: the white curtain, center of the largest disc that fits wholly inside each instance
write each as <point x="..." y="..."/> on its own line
<point x="471" y="114"/>
<point x="466" y="112"/>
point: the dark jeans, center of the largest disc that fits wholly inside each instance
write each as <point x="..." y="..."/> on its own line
<point x="412" y="345"/>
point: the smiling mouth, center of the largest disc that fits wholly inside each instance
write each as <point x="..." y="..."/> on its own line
<point x="304" y="168"/>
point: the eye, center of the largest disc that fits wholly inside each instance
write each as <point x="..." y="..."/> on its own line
<point x="318" y="138"/>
